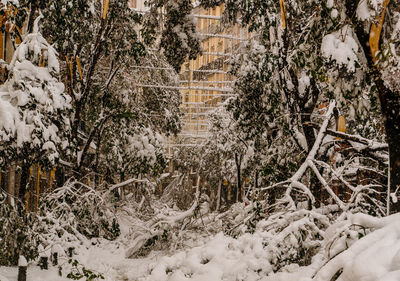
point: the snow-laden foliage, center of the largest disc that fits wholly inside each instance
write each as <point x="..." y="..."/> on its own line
<point x="293" y="237"/>
<point x="94" y="44"/>
<point x="34" y="107"/>
<point x="150" y="106"/>
<point x="373" y="257"/>
<point x="138" y="115"/>
<point x="277" y="242"/>
<point x="161" y="104"/>
<point x="227" y="154"/>
<point x="13" y="14"/>
<point x="104" y="62"/>
<point x="73" y="214"/>
<point x="178" y="40"/>
<point x="134" y="151"/>
<point x="16" y="233"/>
<point x="304" y="53"/>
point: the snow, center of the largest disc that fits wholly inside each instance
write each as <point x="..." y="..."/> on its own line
<point x="14" y="2"/>
<point x="33" y="274"/>
<point x="219" y="257"/>
<point x="222" y="258"/>
<point x="3" y="278"/>
<point x="22" y="261"/>
<point x="304" y="83"/>
<point x="8" y="114"/>
<point x="374" y="257"/>
<point x="363" y="11"/>
<point x="341" y="47"/>
<point x="32" y="81"/>
<point x="376" y="4"/>
<point x="334" y="13"/>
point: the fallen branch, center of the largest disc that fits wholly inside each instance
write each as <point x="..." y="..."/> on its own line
<point x="158" y="224"/>
<point x="295" y="179"/>
<point x="371" y="145"/>
<point x="326" y="186"/>
<point x="125" y="183"/>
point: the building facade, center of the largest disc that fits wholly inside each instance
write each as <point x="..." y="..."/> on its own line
<point x="205" y="82"/>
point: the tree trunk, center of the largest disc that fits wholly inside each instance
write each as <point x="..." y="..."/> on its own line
<point x="31" y="18"/>
<point x="60" y="176"/>
<point x="253" y="196"/>
<point x="24" y="181"/>
<point x="390" y="103"/>
<point x="308" y="131"/>
<point x="239" y="180"/>
<point x="122" y="179"/>
<point x="219" y="196"/>
<point x="11" y="183"/>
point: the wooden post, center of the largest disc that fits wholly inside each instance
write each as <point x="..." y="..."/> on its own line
<point x="22" y="268"/>
<point x="70" y="251"/>
<point x="44" y="263"/>
<point x="229" y="193"/>
<point x="2" y="43"/>
<point x="105" y="10"/>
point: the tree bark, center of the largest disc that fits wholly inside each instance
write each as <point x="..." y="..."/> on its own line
<point x="239" y="180"/>
<point x="219" y="196"/>
<point x="122" y="179"/>
<point x="11" y="182"/>
<point x="24" y="181"/>
<point x="31" y="19"/>
<point x="390" y="104"/>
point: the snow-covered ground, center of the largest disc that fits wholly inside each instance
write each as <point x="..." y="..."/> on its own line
<point x="221" y="258"/>
<point x="34" y="274"/>
<point x="373" y="257"/>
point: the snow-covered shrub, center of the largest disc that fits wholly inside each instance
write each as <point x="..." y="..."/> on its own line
<point x="293" y="237"/>
<point x="78" y="272"/>
<point x="75" y="212"/>
<point x="288" y="236"/>
<point x="164" y="229"/>
<point x="373" y="257"/>
<point x="220" y="258"/>
<point x="16" y="235"/>
<point x="132" y="150"/>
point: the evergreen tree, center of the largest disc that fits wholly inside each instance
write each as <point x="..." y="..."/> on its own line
<point x="35" y="108"/>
